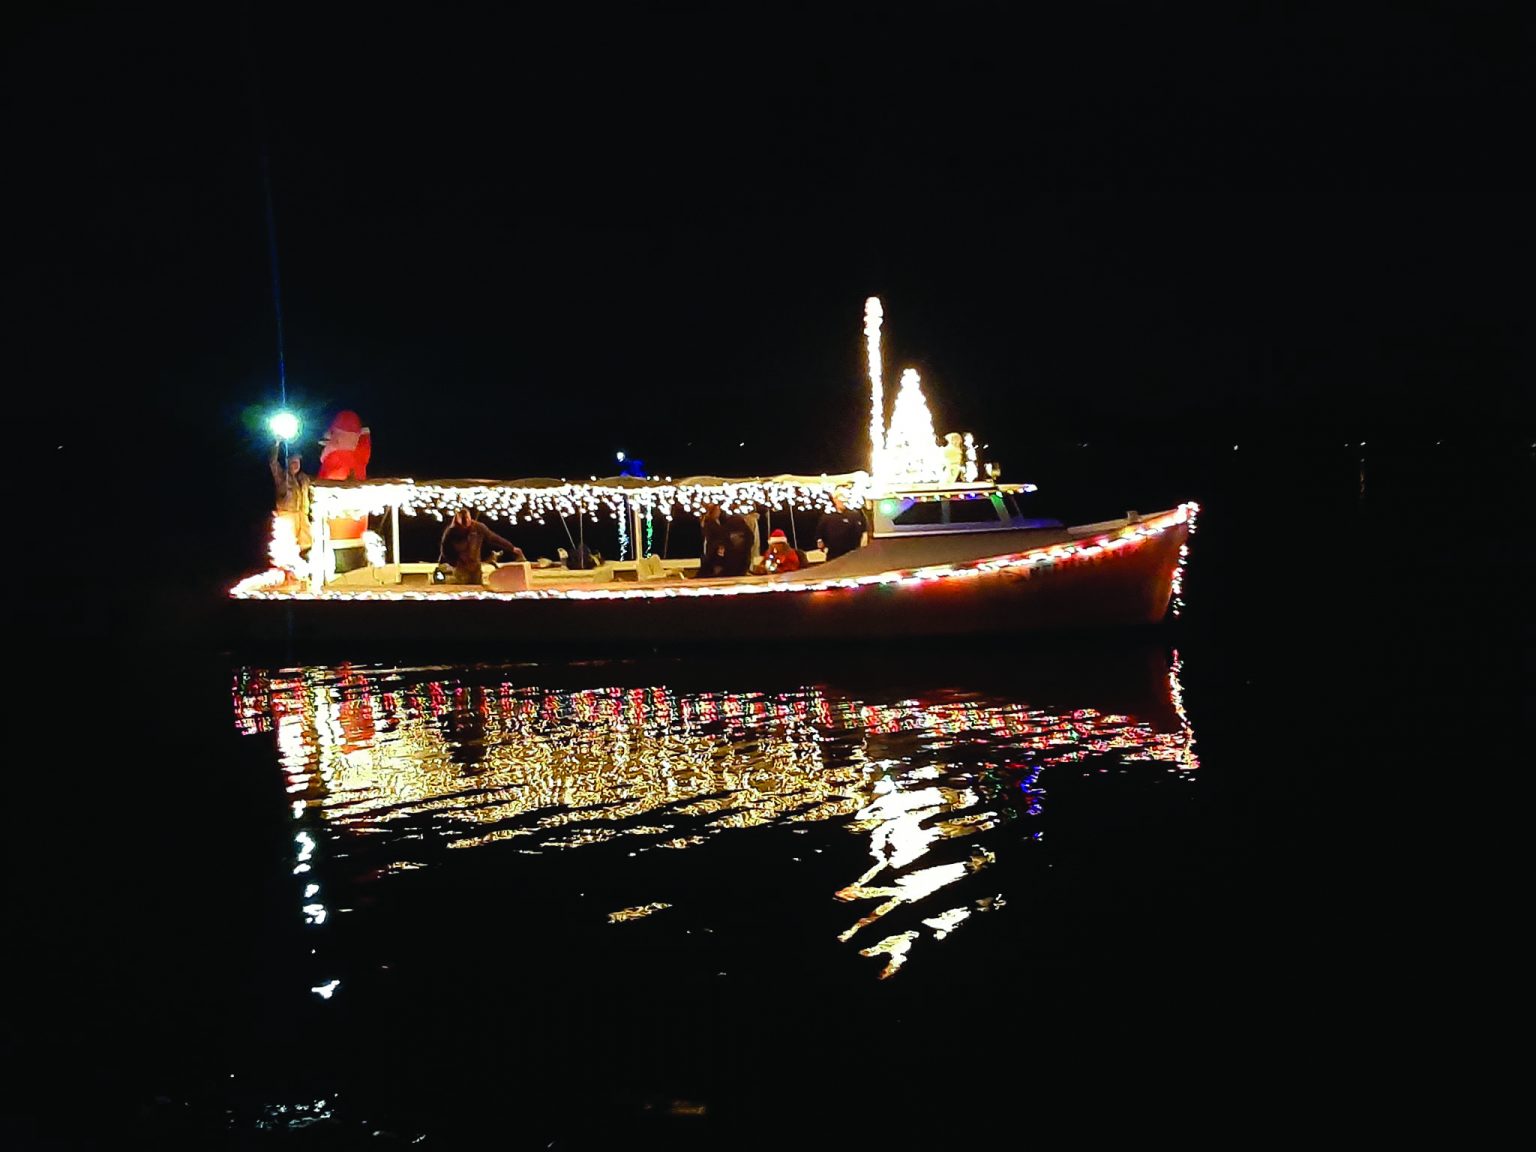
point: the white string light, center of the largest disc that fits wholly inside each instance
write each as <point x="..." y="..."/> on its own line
<point x="373" y="545"/>
<point x="284" y="545"/>
<point x="907" y="452"/>
<point x="873" y="314"/>
<point x="517" y="502"/>
<point x="912" y="454"/>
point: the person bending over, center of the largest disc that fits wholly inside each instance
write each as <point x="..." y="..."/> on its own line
<point x="463" y="542"/>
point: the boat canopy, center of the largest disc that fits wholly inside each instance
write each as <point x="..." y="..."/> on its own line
<point x="626" y="482"/>
<point x="535" y="496"/>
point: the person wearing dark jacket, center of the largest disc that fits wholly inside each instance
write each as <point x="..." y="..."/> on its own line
<point x="463" y="542"/>
<point x="727" y="543"/>
<point x="842" y="530"/>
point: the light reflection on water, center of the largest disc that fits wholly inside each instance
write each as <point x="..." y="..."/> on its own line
<point x="413" y="760"/>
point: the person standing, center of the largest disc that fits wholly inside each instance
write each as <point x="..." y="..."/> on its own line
<point x="293" y="494"/>
<point x="727" y="543"/>
<point x="842" y="530"/>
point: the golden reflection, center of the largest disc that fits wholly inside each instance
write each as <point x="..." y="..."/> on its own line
<point x="894" y="949"/>
<point x="637" y="913"/>
<point x="465" y="757"/>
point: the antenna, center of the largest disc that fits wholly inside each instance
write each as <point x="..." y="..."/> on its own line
<point x="259" y="130"/>
<point x="277" y="292"/>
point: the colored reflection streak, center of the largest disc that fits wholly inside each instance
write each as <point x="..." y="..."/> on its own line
<point x="421" y="761"/>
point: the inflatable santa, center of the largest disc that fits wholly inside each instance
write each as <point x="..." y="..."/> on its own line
<point x="344" y="452"/>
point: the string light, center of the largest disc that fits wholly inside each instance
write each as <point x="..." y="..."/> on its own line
<point x="1020" y="564"/>
<point x="912" y="455"/>
<point x="906" y="453"/>
<point x="284" y="546"/>
<point x="517" y="501"/>
<point x="373" y="545"/>
<point x="873" y="314"/>
<point x="530" y="502"/>
<point x="1192" y="511"/>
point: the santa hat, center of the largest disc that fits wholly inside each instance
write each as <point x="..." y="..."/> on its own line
<point x="777" y="534"/>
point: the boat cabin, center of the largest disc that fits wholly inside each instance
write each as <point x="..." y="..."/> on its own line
<point x="940" y="509"/>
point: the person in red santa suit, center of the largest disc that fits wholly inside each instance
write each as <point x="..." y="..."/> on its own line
<point x="780" y="557"/>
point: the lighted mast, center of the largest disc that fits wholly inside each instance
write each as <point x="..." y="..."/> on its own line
<point x="873" y="314"/>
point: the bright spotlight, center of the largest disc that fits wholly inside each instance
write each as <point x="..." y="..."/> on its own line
<point x="284" y="425"/>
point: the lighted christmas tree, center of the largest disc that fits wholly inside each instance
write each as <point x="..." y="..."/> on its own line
<point x="912" y="454"/>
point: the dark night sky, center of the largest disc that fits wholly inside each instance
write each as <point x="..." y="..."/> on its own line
<point x="515" y="243"/>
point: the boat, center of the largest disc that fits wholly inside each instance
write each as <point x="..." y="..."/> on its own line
<point x="948" y="554"/>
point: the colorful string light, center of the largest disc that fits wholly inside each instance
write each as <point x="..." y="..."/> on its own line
<point x="1021" y="563"/>
<point x="1178" y="572"/>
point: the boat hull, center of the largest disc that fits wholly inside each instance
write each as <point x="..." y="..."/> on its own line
<point x="1085" y="586"/>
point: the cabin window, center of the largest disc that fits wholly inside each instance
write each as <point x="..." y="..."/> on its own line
<point x="978" y="511"/>
<point x="919" y="512"/>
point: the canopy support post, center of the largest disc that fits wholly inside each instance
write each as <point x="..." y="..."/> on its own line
<point x="394" y="534"/>
<point x="319" y="548"/>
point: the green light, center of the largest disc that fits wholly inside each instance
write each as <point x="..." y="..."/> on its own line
<point x="890" y="507"/>
<point x="284" y="425"/>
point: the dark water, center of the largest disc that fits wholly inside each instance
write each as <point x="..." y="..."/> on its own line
<point x="1205" y="878"/>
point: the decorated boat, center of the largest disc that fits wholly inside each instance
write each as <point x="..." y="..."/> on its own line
<point x="950" y="551"/>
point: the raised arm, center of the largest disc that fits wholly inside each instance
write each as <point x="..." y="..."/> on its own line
<point x="277" y="473"/>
